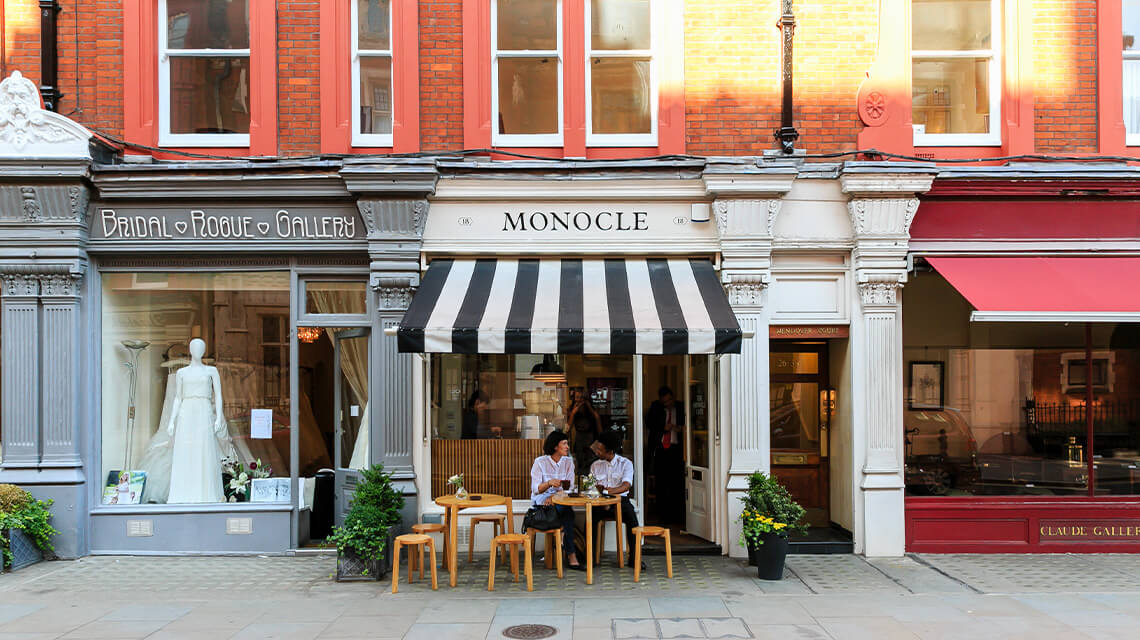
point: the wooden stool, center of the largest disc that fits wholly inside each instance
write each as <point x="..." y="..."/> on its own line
<point x="553" y="553"/>
<point x="428" y="528"/>
<point x="512" y="540"/>
<point x="409" y="540"/>
<point x="600" y="540"/>
<point x="662" y="532"/>
<point x="500" y="527"/>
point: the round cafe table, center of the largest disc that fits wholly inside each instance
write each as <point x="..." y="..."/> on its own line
<point x="589" y="503"/>
<point x="454" y="505"/>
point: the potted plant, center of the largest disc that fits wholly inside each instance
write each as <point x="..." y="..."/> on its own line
<point x="25" y="535"/>
<point x="770" y="514"/>
<point x="363" y="542"/>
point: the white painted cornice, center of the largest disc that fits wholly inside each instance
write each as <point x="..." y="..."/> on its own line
<point x="29" y="131"/>
<point x="582" y="189"/>
<point x="749" y="181"/>
<point x="886" y="179"/>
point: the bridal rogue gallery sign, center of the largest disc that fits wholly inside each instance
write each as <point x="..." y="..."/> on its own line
<point x="296" y="223"/>
<point x="569" y="225"/>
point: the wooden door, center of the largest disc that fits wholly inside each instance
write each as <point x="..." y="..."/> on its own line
<point x="798" y="382"/>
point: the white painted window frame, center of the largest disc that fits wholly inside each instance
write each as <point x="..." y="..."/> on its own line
<point x="656" y="12"/>
<point x="993" y="137"/>
<point x="525" y="139"/>
<point x="370" y="139"/>
<point x="1131" y="138"/>
<point x="165" y="137"/>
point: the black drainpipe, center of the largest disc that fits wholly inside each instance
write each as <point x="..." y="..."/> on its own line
<point x="49" y="55"/>
<point x="786" y="134"/>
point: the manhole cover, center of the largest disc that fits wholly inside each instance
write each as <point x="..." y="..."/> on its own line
<point x="529" y="631"/>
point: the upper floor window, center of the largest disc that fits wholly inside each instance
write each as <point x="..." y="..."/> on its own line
<point x="526" y="72"/>
<point x="1131" y="80"/>
<point x="956" y="72"/>
<point x="204" y="73"/>
<point x="621" y="84"/>
<point x="372" y="73"/>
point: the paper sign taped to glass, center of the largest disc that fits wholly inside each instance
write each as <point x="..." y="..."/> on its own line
<point x="270" y="490"/>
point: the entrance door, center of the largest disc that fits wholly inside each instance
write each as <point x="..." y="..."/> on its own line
<point x="350" y="412"/>
<point x="800" y="417"/>
<point x="698" y="478"/>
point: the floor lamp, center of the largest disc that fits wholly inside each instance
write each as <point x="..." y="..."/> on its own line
<point x="134" y="349"/>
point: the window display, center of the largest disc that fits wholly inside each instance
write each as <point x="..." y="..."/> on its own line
<point x="195" y="370"/>
<point x="1001" y="408"/>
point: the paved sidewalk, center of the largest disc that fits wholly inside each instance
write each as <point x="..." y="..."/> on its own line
<point x="826" y="597"/>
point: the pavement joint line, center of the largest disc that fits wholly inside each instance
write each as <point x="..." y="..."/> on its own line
<point x="919" y="559"/>
<point x="802" y="581"/>
<point x="887" y="575"/>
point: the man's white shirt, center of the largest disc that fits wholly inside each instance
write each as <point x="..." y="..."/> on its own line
<point x="613" y="473"/>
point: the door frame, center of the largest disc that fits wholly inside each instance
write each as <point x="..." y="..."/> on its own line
<point x="823" y="379"/>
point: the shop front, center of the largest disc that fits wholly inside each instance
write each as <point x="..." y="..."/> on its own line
<point x="1021" y="344"/>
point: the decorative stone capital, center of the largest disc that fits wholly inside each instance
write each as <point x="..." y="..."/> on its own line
<point x="745" y="290"/>
<point x="20" y="285"/>
<point x="27" y="130"/>
<point x="880" y="289"/>
<point x="746" y="218"/>
<point x="60" y="285"/>
<point x="879" y="217"/>
<point x="394" y="219"/>
<point x="394" y="293"/>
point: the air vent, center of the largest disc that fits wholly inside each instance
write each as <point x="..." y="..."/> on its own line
<point x="140" y="528"/>
<point x="239" y="526"/>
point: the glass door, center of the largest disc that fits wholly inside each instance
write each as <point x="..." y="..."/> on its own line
<point x="800" y="416"/>
<point x="698" y="479"/>
<point x="351" y="450"/>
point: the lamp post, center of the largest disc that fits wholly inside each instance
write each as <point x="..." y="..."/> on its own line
<point x="134" y="349"/>
<point x="787" y="134"/>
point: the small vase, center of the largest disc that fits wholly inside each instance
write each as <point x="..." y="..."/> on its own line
<point x="461" y="493"/>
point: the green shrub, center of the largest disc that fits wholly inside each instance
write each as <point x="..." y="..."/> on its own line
<point x="376" y="507"/>
<point x="768" y="508"/>
<point x="13" y="498"/>
<point x="18" y="510"/>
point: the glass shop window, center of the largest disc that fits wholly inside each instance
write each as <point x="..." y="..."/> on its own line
<point x="344" y="297"/>
<point x="195" y="385"/>
<point x="996" y="408"/>
<point x="491" y="413"/>
<point x="204" y="74"/>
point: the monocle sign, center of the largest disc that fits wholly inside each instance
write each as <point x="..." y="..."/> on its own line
<point x="307" y="222"/>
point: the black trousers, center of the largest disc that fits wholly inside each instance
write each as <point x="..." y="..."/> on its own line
<point x="628" y="518"/>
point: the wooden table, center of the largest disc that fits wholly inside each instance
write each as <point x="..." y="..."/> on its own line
<point x="454" y="505"/>
<point x="590" y="503"/>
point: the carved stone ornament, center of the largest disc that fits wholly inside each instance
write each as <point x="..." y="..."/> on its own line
<point x="59" y="285"/>
<point x="31" y="205"/>
<point x="882" y="216"/>
<point x="873" y="108"/>
<point x="21" y="285"/>
<point x="78" y="197"/>
<point x="394" y="293"/>
<point x="27" y="130"/>
<point x="880" y="289"/>
<point x="720" y="209"/>
<point x="367" y="212"/>
<point x="745" y="290"/>
<point x="773" y="210"/>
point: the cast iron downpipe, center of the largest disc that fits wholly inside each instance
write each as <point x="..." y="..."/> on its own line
<point x="49" y="55"/>
<point x="787" y="134"/>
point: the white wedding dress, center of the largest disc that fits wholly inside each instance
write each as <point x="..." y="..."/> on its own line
<point x="196" y="467"/>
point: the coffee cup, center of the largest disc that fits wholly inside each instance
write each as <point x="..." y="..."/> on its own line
<point x="565" y="485"/>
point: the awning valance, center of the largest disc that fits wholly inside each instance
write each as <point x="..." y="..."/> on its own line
<point x="622" y="305"/>
<point x="1046" y="288"/>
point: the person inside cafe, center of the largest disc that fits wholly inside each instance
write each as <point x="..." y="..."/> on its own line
<point x="585" y="425"/>
<point x="665" y="422"/>
<point x="550" y="474"/>
<point x="473" y="425"/>
<point x="615" y="474"/>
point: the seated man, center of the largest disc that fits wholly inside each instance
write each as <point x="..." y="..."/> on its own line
<point x="615" y="473"/>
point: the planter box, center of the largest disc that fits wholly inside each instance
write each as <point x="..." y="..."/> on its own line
<point x="350" y="567"/>
<point x="24" y="551"/>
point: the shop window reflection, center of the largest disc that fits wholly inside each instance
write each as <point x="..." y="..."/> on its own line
<point x="490" y="414"/>
<point x="1014" y="416"/>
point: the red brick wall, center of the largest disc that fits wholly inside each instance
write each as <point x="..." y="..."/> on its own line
<point x="298" y="77"/>
<point x="1064" y="70"/>
<point x="21" y="44"/>
<point x="441" y="75"/>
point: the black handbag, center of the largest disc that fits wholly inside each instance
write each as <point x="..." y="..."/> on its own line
<point x="542" y="518"/>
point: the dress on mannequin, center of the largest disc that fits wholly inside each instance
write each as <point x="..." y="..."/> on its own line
<point x="196" y="420"/>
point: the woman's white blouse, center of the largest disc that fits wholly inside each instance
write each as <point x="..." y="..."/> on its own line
<point x="544" y="469"/>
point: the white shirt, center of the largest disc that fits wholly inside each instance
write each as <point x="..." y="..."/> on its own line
<point x="545" y="469"/>
<point x="613" y="473"/>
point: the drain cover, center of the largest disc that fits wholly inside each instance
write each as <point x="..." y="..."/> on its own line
<point x="529" y="631"/>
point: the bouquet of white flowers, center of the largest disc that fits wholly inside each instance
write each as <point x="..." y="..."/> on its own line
<point x="457" y="482"/>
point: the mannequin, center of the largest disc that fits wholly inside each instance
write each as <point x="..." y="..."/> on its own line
<point x="196" y="420"/>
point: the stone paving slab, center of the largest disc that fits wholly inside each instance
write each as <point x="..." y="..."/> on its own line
<point x="1039" y="573"/>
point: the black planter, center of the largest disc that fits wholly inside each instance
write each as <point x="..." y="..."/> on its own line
<point x="769" y="557"/>
<point x="24" y="551"/>
<point x="351" y="567"/>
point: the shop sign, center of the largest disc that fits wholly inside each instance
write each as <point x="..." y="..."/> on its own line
<point x="804" y="332"/>
<point x="1090" y="530"/>
<point x="249" y="223"/>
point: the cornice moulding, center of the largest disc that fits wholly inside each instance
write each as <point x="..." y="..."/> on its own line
<point x="400" y="179"/>
<point x="562" y="189"/>
<point x="742" y="182"/>
<point x="885" y="185"/>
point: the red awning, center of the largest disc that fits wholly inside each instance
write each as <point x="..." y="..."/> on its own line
<point x="1046" y="289"/>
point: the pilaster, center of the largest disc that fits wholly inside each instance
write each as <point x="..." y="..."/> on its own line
<point x="21" y="379"/>
<point x="882" y="207"/>
<point x="62" y="358"/>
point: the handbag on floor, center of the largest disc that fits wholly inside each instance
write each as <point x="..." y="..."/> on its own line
<point x="542" y="517"/>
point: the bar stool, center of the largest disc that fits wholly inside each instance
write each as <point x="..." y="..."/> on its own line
<point x="426" y="528"/>
<point x="410" y="540"/>
<point x="661" y="532"/>
<point x="600" y="540"/>
<point x="496" y="519"/>
<point x="511" y="540"/>
<point x="552" y="535"/>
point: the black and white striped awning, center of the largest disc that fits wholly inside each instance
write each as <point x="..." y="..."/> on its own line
<point x="636" y="305"/>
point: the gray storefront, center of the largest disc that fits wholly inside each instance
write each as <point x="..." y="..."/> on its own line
<point x="193" y="351"/>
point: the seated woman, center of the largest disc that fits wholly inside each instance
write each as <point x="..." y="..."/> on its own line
<point x="546" y="479"/>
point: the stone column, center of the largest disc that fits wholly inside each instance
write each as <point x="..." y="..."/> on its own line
<point x="21" y="372"/>
<point x="747" y="202"/>
<point x="882" y="207"/>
